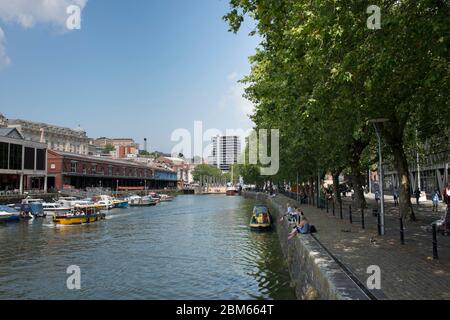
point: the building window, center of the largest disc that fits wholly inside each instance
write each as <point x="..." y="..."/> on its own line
<point x="15" y="157"/>
<point x="73" y="167"/>
<point x="94" y="169"/>
<point x="40" y="159"/>
<point x="110" y="171"/>
<point x="4" y="155"/>
<point x="29" y="158"/>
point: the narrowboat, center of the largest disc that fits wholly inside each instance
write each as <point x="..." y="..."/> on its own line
<point x="261" y="219"/>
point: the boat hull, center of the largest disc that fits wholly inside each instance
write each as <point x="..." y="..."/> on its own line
<point x="81" y="219"/>
<point x="121" y="204"/>
<point x="258" y="227"/>
<point x="231" y="192"/>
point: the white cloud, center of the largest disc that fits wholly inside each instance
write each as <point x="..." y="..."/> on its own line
<point x="4" y="59"/>
<point x="28" y="13"/>
<point x="234" y="100"/>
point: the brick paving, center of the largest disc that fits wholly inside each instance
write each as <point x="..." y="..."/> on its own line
<point x="407" y="271"/>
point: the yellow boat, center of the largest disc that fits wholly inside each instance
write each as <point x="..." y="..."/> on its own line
<point x="261" y="218"/>
<point x="80" y="215"/>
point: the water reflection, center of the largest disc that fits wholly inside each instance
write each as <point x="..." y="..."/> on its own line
<point x="196" y="247"/>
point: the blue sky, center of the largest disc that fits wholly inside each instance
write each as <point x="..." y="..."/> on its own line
<point x="137" y="68"/>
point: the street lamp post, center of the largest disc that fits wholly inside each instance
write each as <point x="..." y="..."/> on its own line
<point x="376" y="124"/>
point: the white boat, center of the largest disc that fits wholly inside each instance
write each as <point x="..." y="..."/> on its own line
<point x="8" y="214"/>
<point x="165" y="197"/>
<point x="72" y="202"/>
<point x="135" y="201"/>
<point x="231" y="191"/>
<point x="54" y="208"/>
<point x="106" y="202"/>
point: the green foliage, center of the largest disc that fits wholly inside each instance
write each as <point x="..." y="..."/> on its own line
<point x="319" y="75"/>
<point x="108" y="148"/>
<point x="205" y="170"/>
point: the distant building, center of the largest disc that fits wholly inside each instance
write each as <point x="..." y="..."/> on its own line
<point x="72" y="171"/>
<point x="225" y="152"/>
<point x="23" y="163"/>
<point x="124" y="147"/>
<point x="182" y="167"/>
<point x="56" y="137"/>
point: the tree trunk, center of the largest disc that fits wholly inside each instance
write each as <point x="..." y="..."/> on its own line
<point x="337" y="194"/>
<point x="401" y="164"/>
<point x="311" y="190"/>
<point x="356" y="150"/>
<point x="358" y="186"/>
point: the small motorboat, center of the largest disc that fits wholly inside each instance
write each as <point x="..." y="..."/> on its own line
<point x="80" y="215"/>
<point x="165" y="198"/>
<point x="261" y="219"/>
<point x="105" y="202"/>
<point x="231" y="191"/>
<point x="138" y="201"/>
<point x="120" y="203"/>
<point x="53" y="208"/>
<point x="155" y="197"/>
<point x="8" y="214"/>
<point x="33" y="206"/>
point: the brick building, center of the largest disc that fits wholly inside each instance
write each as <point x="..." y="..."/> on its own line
<point x="67" y="170"/>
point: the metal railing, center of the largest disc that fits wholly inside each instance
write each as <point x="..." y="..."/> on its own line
<point x="330" y="205"/>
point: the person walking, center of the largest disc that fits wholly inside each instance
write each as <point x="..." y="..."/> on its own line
<point x="417" y="194"/>
<point x="377" y="197"/>
<point x="435" y="200"/>
<point x="396" y="197"/>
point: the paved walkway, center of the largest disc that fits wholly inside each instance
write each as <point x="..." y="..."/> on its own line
<point x="407" y="271"/>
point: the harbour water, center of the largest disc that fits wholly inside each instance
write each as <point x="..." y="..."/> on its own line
<point x="196" y="247"/>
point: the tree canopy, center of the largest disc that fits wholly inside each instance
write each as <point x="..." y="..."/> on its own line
<point x="320" y="75"/>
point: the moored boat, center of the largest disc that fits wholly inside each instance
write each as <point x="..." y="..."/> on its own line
<point x="105" y="202"/>
<point x="138" y="201"/>
<point x="165" y="197"/>
<point x="231" y="191"/>
<point x="8" y="214"/>
<point x="119" y="203"/>
<point x="261" y="219"/>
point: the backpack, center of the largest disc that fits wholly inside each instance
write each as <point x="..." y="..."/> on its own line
<point x="312" y="229"/>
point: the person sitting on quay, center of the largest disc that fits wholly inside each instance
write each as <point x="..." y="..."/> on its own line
<point x="289" y="212"/>
<point x="302" y="227"/>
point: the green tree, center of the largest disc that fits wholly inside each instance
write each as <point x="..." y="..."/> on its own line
<point x="108" y="148"/>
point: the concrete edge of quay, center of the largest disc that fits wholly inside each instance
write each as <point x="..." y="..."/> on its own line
<point x="315" y="273"/>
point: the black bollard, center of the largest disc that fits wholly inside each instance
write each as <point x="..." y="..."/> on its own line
<point x="435" y="250"/>
<point x="327" y="205"/>
<point x="340" y="211"/>
<point x="363" y="223"/>
<point x="334" y="211"/>
<point x="350" y="214"/>
<point x="402" y="232"/>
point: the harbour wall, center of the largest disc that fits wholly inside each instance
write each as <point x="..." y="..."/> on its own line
<point x="314" y="273"/>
